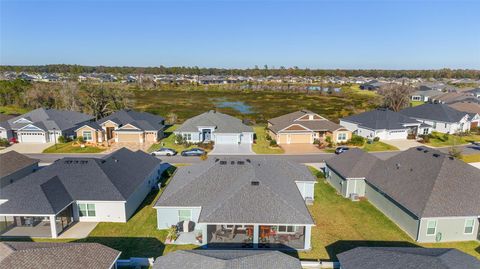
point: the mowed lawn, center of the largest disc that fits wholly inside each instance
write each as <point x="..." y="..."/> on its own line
<point x="342" y="225"/>
<point x="378" y="146"/>
<point x="70" y="147"/>
<point x="445" y="140"/>
<point x="262" y="145"/>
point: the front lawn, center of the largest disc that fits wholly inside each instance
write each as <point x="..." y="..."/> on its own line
<point x="169" y="141"/>
<point x="262" y="145"/>
<point x="416" y="103"/>
<point x="342" y="225"/>
<point x="445" y="140"/>
<point x="70" y="147"/>
<point x="378" y="146"/>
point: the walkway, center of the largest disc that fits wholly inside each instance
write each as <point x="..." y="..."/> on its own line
<point x="78" y="230"/>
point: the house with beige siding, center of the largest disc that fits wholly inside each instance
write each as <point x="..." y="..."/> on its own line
<point x="304" y="127"/>
<point x="431" y="196"/>
<point x="124" y="126"/>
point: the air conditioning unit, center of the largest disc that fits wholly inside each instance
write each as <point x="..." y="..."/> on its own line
<point x="354" y="197"/>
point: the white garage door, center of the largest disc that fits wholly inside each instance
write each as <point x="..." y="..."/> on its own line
<point x="226" y="139"/>
<point x="32" y="137"/>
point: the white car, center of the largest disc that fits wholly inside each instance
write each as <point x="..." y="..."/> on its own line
<point x="164" y="152"/>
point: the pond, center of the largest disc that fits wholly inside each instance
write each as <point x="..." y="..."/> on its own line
<point x="237" y="105"/>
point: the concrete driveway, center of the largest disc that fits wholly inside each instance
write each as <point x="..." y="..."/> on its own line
<point x="403" y="144"/>
<point x="298" y="149"/>
<point x="27" y="147"/>
<point x="236" y="149"/>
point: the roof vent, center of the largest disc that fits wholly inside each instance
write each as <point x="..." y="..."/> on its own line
<point x="240" y="162"/>
<point x="436" y="155"/>
<point x="425" y="151"/>
<point x="398" y="165"/>
<point x="419" y="149"/>
<point x="255" y="183"/>
<point x="223" y="162"/>
<point x="217" y="159"/>
<point x="248" y="161"/>
<point x="232" y="162"/>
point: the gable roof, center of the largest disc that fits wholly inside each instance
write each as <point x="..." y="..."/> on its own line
<point x="429" y="183"/>
<point x="48" y="119"/>
<point x="354" y="163"/>
<point x="12" y="161"/>
<point x="223" y="188"/>
<point x="226" y="259"/>
<point x="406" y="258"/>
<point x="143" y="120"/>
<point x="111" y="178"/>
<point x="318" y="124"/>
<point x="435" y="112"/>
<point x="224" y="123"/>
<point x="34" y="255"/>
<point x="380" y="119"/>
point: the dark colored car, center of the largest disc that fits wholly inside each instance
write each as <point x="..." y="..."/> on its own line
<point x="341" y="150"/>
<point x="193" y="152"/>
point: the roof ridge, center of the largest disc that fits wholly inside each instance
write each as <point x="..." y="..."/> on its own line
<point x="442" y="167"/>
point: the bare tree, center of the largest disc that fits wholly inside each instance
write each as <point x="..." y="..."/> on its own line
<point x="100" y="101"/>
<point x="172" y="118"/>
<point x="396" y="96"/>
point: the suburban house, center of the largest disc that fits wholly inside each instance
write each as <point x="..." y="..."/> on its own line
<point x="109" y="189"/>
<point x="39" y="255"/>
<point x="384" y="124"/>
<point x="441" y="117"/>
<point x="217" y="127"/>
<point x="431" y="196"/>
<point x="14" y="166"/>
<point x="43" y="125"/>
<point x="406" y="257"/>
<point x="227" y="259"/>
<point x="240" y="203"/>
<point x="425" y="95"/>
<point x="124" y="126"/>
<point x="305" y="127"/>
<point x="472" y="108"/>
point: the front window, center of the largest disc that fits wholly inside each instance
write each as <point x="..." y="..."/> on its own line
<point x="187" y="136"/>
<point x="87" y="135"/>
<point x="425" y="131"/>
<point x="86" y="210"/>
<point x="469" y="226"/>
<point x="342" y="136"/>
<point x="431" y="227"/>
<point x="184" y="215"/>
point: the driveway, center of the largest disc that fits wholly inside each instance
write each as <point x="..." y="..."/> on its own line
<point x="403" y="144"/>
<point x="27" y="147"/>
<point x="235" y="149"/>
<point x="298" y="149"/>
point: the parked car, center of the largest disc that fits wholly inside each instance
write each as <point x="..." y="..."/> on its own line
<point x="194" y="152"/>
<point x="164" y="152"/>
<point x="339" y="150"/>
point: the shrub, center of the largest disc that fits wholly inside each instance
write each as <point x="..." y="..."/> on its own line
<point x="376" y="139"/>
<point x="80" y="140"/>
<point x="316" y="141"/>
<point x="172" y="234"/>
<point x="357" y="140"/>
<point x="455" y="152"/>
<point x="62" y="139"/>
<point x="4" y="142"/>
<point x="273" y="143"/>
<point x="179" y="139"/>
<point x="425" y="138"/>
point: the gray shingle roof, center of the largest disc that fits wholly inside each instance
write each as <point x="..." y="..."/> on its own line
<point x="142" y="120"/>
<point x="436" y="112"/>
<point x="226" y="195"/>
<point x="47" y="119"/>
<point x="284" y="121"/>
<point x="224" y="123"/>
<point x="12" y="161"/>
<point x="406" y="258"/>
<point x="227" y="259"/>
<point x="354" y="163"/>
<point x="112" y="178"/>
<point x="429" y="183"/>
<point x="34" y="255"/>
<point x="380" y="119"/>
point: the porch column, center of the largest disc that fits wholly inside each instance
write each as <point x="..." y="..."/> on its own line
<point x="308" y="234"/>
<point x="255" y="236"/>
<point x="204" y="235"/>
<point x="53" y="226"/>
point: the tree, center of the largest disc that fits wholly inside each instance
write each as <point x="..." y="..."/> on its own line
<point x="101" y="101"/>
<point x="396" y="96"/>
<point x="455" y="153"/>
<point x="172" y="118"/>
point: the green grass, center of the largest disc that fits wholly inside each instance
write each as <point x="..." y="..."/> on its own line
<point x="13" y="110"/>
<point x="445" y="140"/>
<point x="71" y="148"/>
<point x="342" y="225"/>
<point x="169" y="141"/>
<point x="262" y="145"/>
<point x="471" y="158"/>
<point x="378" y="146"/>
<point x="416" y="103"/>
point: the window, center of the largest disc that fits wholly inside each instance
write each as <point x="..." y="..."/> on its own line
<point x="286" y="229"/>
<point x="184" y="214"/>
<point x="425" y="131"/>
<point x="469" y="226"/>
<point x="342" y="136"/>
<point x="445" y="125"/>
<point x="431" y="227"/>
<point x="86" y="210"/>
<point x="187" y="136"/>
<point x="87" y="135"/>
<point x="434" y="125"/>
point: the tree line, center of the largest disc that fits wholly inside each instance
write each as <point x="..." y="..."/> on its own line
<point x="255" y="71"/>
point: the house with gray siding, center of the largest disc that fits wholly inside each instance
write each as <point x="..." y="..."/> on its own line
<point x="240" y="203"/>
<point x="433" y="197"/>
<point x="217" y="127"/>
<point x="77" y="189"/>
<point x="14" y="166"/>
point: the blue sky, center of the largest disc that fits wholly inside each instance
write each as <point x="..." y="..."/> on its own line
<point x="315" y="34"/>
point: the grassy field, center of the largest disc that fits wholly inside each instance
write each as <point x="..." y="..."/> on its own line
<point x="71" y="148"/>
<point x="262" y="144"/>
<point x="416" y="103"/>
<point x="342" y="224"/>
<point x="471" y="158"/>
<point x="445" y="140"/>
<point x="263" y="104"/>
<point x="378" y="146"/>
<point x="13" y="110"/>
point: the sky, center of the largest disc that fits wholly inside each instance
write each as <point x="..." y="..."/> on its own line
<point x="361" y="34"/>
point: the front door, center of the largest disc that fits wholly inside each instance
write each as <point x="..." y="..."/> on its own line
<point x="110" y="132"/>
<point x="206" y="134"/>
